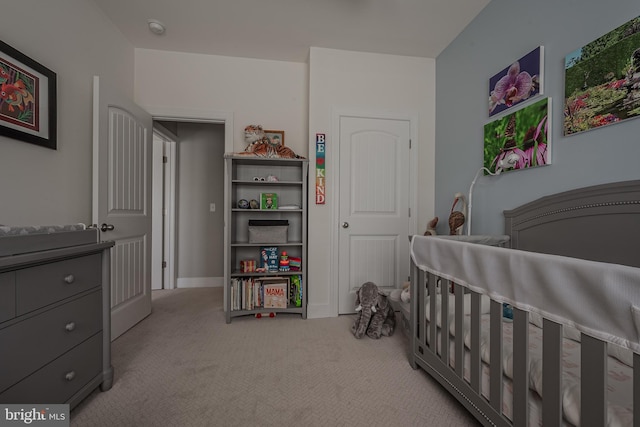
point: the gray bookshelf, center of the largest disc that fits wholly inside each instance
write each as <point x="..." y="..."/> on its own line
<point x="243" y="180"/>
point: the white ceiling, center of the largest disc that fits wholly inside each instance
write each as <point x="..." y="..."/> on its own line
<point x="286" y="29"/>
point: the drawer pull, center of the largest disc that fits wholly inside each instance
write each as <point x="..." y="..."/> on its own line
<point x="70" y="326"/>
<point x="70" y="375"/>
<point x="69" y="279"/>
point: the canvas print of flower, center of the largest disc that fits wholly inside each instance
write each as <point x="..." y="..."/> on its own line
<point x="519" y="140"/>
<point x="520" y="81"/>
<point x="602" y="80"/>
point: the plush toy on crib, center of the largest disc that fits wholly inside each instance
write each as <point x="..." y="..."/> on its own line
<point x="375" y="315"/>
<point x="431" y="227"/>
<point x="405" y="295"/>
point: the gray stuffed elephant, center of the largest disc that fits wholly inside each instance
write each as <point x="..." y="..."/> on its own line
<point x="375" y="315"/>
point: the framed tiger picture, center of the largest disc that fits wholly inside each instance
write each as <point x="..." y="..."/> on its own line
<point x="275" y="136"/>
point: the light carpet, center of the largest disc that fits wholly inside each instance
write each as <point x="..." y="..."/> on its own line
<point x="184" y="366"/>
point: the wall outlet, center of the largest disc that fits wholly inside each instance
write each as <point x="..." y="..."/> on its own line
<point x="212" y="207"/>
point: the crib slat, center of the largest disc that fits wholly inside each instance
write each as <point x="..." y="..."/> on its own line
<point x="417" y="279"/>
<point x="593" y="392"/>
<point x="520" y="367"/>
<point x="444" y="321"/>
<point x="476" y="362"/>
<point x="433" y="331"/>
<point x="459" y="347"/>
<point x="636" y="389"/>
<point x="551" y="373"/>
<point x="495" y="351"/>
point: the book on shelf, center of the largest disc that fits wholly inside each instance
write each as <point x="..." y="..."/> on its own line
<point x="250" y="293"/>
<point x="295" y="290"/>
<point x="269" y="258"/>
<point x="276" y="292"/>
<point x="268" y="201"/>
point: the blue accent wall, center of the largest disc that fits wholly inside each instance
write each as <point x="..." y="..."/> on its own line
<point x="502" y="33"/>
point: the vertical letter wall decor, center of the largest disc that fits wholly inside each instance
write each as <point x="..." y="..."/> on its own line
<point x="320" y="175"/>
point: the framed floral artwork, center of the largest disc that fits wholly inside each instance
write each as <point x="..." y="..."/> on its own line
<point x="602" y="80"/>
<point x="520" y="140"/>
<point x="27" y="99"/>
<point x="521" y="80"/>
<point x="275" y="136"/>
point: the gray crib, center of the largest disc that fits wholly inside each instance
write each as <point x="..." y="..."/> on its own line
<point x="458" y="324"/>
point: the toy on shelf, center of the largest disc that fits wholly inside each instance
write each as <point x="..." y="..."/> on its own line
<point x="284" y="261"/>
<point x="259" y="315"/>
<point x="248" y="266"/>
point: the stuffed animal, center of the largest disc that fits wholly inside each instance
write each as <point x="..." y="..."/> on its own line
<point x="375" y="315"/>
<point x="261" y="146"/>
<point x="431" y="227"/>
<point x="457" y="218"/>
<point x="405" y="295"/>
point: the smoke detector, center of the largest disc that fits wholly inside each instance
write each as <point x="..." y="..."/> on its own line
<point x="156" y="27"/>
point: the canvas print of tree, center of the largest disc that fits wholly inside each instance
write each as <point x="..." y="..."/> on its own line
<point x="518" y="82"/>
<point x="602" y="80"/>
<point x="519" y="140"/>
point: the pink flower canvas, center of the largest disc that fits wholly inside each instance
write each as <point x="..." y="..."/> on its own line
<point x="519" y="140"/>
<point x="516" y="83"/>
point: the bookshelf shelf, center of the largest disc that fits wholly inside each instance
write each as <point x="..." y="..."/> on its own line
<point x="246" y="178"/>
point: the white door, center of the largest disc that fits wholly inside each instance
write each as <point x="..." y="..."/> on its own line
<point x="374" y="205"/>
<point x="122" y="152"/>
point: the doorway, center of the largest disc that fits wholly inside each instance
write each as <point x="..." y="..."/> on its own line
<point x="169" y="270"/>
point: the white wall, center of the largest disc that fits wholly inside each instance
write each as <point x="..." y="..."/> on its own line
<point x="269" y="93"/>
<point x="276" y="95"/>
<point x="39" y="185"/>
<point x="362" y="82"/>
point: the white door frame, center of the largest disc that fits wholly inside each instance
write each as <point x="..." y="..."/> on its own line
<point x="164" y="186"/>
<point x="185" y="115"/>
<point x="176" y="114"/>
<point x="334" y="152"/>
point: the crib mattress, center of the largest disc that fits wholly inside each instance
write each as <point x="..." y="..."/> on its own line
<point x="16" y="240"/>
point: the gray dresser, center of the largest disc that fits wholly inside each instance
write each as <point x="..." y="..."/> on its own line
<point x="55" y="342"/>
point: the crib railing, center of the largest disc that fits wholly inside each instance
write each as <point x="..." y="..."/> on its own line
<point x="424" y="354"/>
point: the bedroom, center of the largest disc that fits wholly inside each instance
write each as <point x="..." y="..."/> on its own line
<point x="445" y="91"/>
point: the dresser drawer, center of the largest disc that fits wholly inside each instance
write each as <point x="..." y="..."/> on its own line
<point x="42" y="338"/>
<point x="45" y="284"/>
<point x="58" y="381"/>
<point x="7" y="296"/>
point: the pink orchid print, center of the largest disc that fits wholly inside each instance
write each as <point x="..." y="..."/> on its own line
<point x="510" y="156"/>
<point x="535" y="147"/>
<point x="514" y="87"/>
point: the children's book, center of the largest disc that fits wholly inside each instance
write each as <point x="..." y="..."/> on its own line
<point x="276" y="293"/>
<point x="269" y="258"/>
<point x="268" y="201"/>
<point x="295" y="291"/>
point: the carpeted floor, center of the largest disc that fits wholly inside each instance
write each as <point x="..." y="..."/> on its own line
<point x="184" y="366"/>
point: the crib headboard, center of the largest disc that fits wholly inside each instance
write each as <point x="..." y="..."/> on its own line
<point x="598" y="223"/>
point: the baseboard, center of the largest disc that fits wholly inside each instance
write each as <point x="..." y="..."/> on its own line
<point x="200" y="282"/>
<point x="318" y="311"/>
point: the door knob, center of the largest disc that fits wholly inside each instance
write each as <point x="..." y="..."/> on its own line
<point x="345" y="225"/>
<point x="106" y="227"/>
